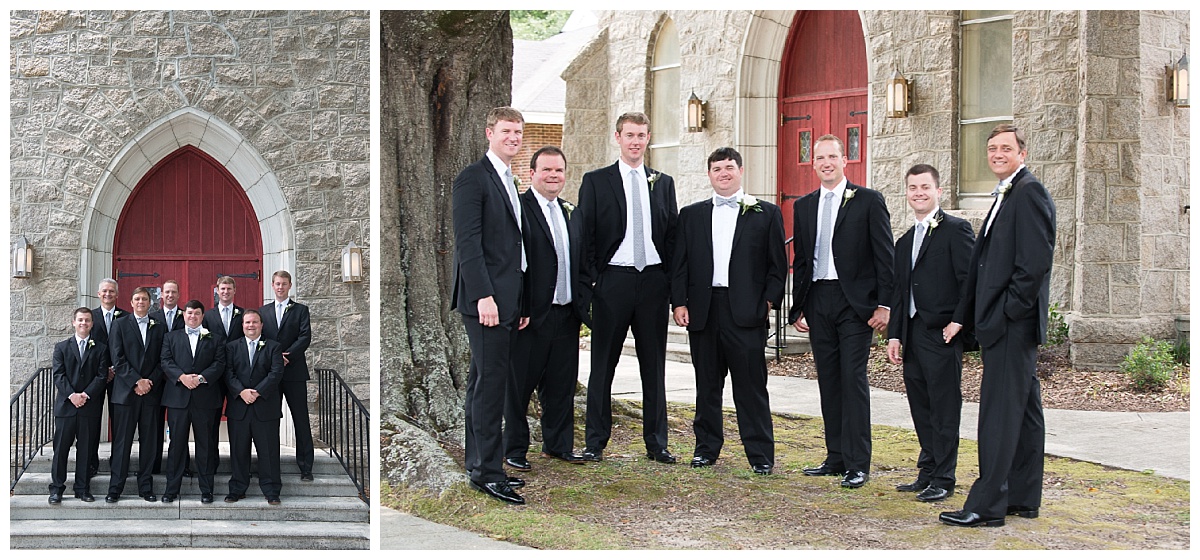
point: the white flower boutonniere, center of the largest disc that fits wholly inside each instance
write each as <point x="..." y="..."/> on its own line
<point x="748" y="202"/>
<point x="237" y="312"/>
<point x="846" y="196"/>
<point x="152" y="323"/>
<point x="933" y="224"/>
<point x="652" y="179"/>
<point x="204" y="332"/>
<point x="1003" y="188"/>
<point x="568" y="207"/>
<point x="91" y="343"/>
<point x="288" y="307"/>
<point x="517" y="182"/>
<point x="117" y="313"/>
<point x="261" y="344"/>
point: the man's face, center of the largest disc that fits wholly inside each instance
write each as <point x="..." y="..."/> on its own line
<point x="829" y="163"/>
<point x="922" y="193"/>
<point x="550" y="175"/>
<point x="1004" y="155"/>
<point x="725" y="176"/>
<point x="193" y="317"/>
<point x="82" y="324"/>
<point x="108" y="294"/>
<point x="225" y="294"/>
<point x="281" y="286"/>
<point x="170" y="295"/>
<point x="252" y="325"/>
<point x="140" y="303"/>
<point x="504" y="138"/>
<point x="633" y="139"/>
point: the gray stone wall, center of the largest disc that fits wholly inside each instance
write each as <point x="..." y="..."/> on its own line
<point x="586" y="123"/>
<point x="294" y="85"/>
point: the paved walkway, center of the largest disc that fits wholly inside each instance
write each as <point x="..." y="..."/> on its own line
<point x="1115" y="439"/>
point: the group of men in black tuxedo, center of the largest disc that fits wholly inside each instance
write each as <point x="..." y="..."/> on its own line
<point x="190" y="363"/>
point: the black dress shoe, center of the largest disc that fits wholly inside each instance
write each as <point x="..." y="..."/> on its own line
<point x="149" y="497"/>
<point x="935" y="494"/>
<point x="168" y="498"/>
<point x="499" y="490"/>
<point x="55" y="498"/>
<point x="85" y="496"/>
<point x="824" y="470"/>
<point x="854" y="479"/>
<point x="593" y="455"/>
<point x="662" y="456"/>
<point x="761" y="469"/>
<point x="569" y="457"/>
<point x="514" y="482"/>
<point x="112" y="498"/>
<point x="206" y="498"/>
<point x="698" y="462"/>
<point x="914" y="486"/>
<point x="963" y="518"/>
<point x="518" y="464"/>
<point x="306" y="477"/>
<point x="1022" y="511"/>
<point x="233" y="498"/>
<point x="273" y="500"/>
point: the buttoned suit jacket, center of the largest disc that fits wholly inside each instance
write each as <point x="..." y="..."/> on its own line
<point x="862" y="249"/>
<point x="937" y="279"/>
<point x="293" y="335"/>
<point x="212" y="322"/>
<point x="263" y="376"/>
<point x="177" y="360"/>
<point x="757" y="264"/>
<point x="487" y="244"/>
<point x="1012" y="283"/>
<point x="602" y="208"/>
<point x="72" y="374"/>
<point x="541" y="278"/>
<point x="133" y="361"/>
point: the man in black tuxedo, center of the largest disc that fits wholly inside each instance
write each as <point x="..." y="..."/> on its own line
<point x="628" y="216"/>
<point x="842" y="285"/>
<point x="193" y="361"/>
<point x="1006" y="300"/>
<point x="102" y="318"/>
<point x="285" y="321"/>
<point x="546" y="356"/>
<point x="931" y="264"/>
<point x="253" y="368"/>
<point x="225" y="322"/>
<point x="729" y="270"/>
<point x="172" y="316"/>
<point x="489" y="266"/>
<point x="136" y="396"/>
<point x="79" y="368"/>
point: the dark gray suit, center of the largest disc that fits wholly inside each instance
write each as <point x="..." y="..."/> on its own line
<point x="71" y="375"/>
<point x="192" y="409"/>
<point x="257" y="422"/>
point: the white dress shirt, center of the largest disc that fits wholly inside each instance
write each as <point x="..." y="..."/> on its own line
<point x="544" y="204"/>
<point x="839" y="193"/>
<point x="1000" y="200"/>
<point x="724" y="222"/>
<point x="624" y="254"/>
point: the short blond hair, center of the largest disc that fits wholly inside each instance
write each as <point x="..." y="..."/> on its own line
<point x="832" y="138"/>
<point x="504" y="114"/>
<point x="632" y="117"/>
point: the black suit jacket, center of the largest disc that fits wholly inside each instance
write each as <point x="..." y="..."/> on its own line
<point x="160" y="315"/>
<point x="263" y="376"/>
<point x="602" y="209"/>
<point x="937" y="278"/>
<point x="542" y="275"/>
<point x="487" y="244"/>
<point x="862" y="249"/>
<point x="74" y="375"/>
<point x="1010" y="266"/>
<point x="293" y="335"/>
<point x="212" y="322"/>
<point x="133" y="361"/>
<point x="177" y="360"/>
<point x="99" y="331"/>
<point x="757" y="264"/>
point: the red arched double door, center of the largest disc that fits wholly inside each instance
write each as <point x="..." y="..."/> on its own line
<point x="189" y="220"/>
<point x="822" y="90"/>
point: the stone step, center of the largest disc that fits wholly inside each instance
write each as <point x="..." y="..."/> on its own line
<point x="253" y="508"/>
<point x="322" y="462"/>
<point x="321" y="485"/>
<point x="177" y="533"/>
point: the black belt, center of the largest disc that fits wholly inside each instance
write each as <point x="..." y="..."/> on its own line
<point x="649" y="267"/>
<point x="825" y="282"/>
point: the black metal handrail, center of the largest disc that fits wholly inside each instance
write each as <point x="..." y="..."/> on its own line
<point x="31" y="412"/>
<point x="777" y="340"/>
<point x="345" y="425"/>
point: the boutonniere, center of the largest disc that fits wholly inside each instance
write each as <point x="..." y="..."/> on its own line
<point x="652" y="179"/>
<point x="933" y="224"/>
<point x="91" y="343"/>
<point x="748" y="202"/>
<point x="151" y="323"/>
<point x="204" y="332"/>
<point x="261" y="343"/>
<point x="117" y="313"/>
<point x="1004" y="188"/>
<point x="237" y="312"/>
<point x="568" y="207"/>
<point x="517" y="182"/>
<point x="846" y="196"/>
<point x="288" y="307"/>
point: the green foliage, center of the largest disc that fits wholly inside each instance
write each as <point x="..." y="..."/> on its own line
<point x="535" y="25"/>
<point x="1150" y="365"/>
<point x="1057" y="331"/>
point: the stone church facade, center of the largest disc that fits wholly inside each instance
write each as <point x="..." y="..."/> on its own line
<point x="274" y="104"/>
<point x="1088" y="87"/>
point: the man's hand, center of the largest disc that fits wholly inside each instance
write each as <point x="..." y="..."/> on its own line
<point x="285" y="358"/>
<point x="143" y="386"/>
<point x="249" y="395"/>
<point x="111" y="373"/>
<point x="950" y="331"/>
<point x="489" y="315"/>
<point x="800" y="324"/>
<point x="522" y="323"/>
<point x="681" y="316"/>
<point x="893" y="350"/>
<point x="879" y="319"/>
<point x="78" y="399"/>
<point x="190" y="380"/>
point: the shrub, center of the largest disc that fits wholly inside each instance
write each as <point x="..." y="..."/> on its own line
<point x="1057" y="331"/>
<point x="1149" y="365"/>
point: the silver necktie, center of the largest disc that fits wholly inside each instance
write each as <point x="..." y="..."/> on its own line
<point x="918" y="238"/>
<point x="824" y="237"/>
<point x="516" y="208"/>
<point x="562" y="293"/>
<point x="639" y="236"/>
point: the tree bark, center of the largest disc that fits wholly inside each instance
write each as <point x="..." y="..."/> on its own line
<point x="441" y="72"/>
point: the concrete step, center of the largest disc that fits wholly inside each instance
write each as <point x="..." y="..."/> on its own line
<point x="322" y="462"/>
<point x="176" y="533"/>
<point x="253" y="508"/>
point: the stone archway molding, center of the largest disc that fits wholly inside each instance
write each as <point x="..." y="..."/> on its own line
<point x="188" y="126"/>
<point x="757" y="104"/>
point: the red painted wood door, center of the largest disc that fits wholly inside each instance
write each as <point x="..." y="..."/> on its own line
<point x="823" y="90"/>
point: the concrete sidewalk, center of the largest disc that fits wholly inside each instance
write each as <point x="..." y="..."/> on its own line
<point x="1115" y="439"/>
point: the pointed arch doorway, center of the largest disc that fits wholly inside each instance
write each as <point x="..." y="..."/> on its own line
<point x="822" y="90"/>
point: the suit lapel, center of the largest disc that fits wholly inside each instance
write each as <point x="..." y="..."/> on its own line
<point x="617" y="184"/>
<point x="811" y="206"/>
<point x="498" y="183"/>
<point x="655" y="225"/>
<point x="843" y="204"/>
<point x="75" y="365"/>
<point x="538" y="216"/>
<point x="706" y="233"/>
<point x="928" y="237"/>
<point x="739" y="226"/>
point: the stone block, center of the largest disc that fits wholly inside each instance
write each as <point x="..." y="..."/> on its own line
<point x="209" y="39"/>
<point x="1170" y="252"/>
<point x="1098" y="356"/>
<point x="1102" y="75"/>
<point x="1158" y="291"/>
<point x="1094" y="289"/>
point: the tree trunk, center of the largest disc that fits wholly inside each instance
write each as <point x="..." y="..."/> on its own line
<point x="441" y="72"/>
